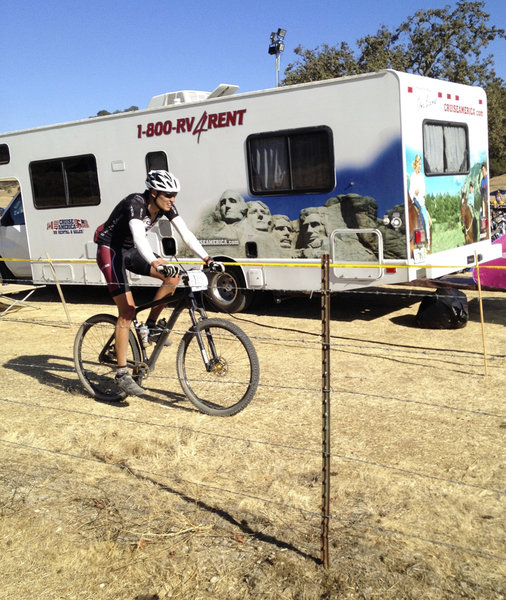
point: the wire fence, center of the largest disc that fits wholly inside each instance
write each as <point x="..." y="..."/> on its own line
<point x="251" y="441"/>
<point x="264" y="335"/>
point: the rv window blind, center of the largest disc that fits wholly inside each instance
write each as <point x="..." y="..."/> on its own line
<point x="295" y="161"/>
<point x="62" y="182"/>
<point x="5" y="156"/>
<point x="445" y="148"/>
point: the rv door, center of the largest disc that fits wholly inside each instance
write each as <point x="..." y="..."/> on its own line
<point x="14" y="241"/>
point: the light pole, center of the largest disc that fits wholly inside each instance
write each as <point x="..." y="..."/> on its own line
<point x="277" y="46"/>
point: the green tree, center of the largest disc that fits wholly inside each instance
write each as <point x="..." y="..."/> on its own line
<point x="442" y="43"/>
<point x="496" y="95"/>
<point x="324" y="62"/>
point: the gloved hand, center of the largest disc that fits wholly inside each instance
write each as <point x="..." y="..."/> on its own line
<point x="168" y="270"/>
<point x="215" y="267"/>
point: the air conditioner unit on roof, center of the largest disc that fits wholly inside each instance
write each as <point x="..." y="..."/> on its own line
<point x="187" y="96"/>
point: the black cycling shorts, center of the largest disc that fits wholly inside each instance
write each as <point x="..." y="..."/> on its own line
<point x="114" y="263"/>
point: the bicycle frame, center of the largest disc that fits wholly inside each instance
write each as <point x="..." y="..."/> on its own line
<point x="187" y="301"/>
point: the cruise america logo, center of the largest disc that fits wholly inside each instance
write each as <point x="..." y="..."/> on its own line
<point x="207" y="122"/>
<point x="67" y="226"/>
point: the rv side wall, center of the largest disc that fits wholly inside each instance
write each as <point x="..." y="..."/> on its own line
<point x="266" y="178"/>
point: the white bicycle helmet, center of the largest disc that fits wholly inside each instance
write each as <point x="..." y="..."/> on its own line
<point x="163" y="181"/>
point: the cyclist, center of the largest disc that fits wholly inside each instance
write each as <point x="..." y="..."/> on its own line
<point x="123" y="245"/>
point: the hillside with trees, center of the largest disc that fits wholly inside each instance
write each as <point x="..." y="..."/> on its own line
<point x="104" y="113"/>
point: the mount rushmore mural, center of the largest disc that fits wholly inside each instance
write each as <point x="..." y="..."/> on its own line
<point x="240" y="228"/>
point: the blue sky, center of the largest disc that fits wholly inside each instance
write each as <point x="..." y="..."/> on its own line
<point x="62" y="60"/>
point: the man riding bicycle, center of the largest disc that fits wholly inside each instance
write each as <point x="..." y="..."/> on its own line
<point x="123" y="245"/>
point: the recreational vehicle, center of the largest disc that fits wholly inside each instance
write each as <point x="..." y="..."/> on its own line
<point x="385" y="172"/>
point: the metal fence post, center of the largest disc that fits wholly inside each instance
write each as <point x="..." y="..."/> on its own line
<point x="325" y="314"/>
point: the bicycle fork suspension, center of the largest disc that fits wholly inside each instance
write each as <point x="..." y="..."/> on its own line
<point x="212" y="363"/>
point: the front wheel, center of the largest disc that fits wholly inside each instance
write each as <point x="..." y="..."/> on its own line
<point x="227" y="384"/>
<point x="95" y="358"/>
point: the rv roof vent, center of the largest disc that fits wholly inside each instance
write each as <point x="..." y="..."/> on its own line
<point x="185" y="96"/>
<point x="224" y="89"/>
<point x="181" y="97"/>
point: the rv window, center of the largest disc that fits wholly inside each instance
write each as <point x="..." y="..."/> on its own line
<point x="71" y="181"/>
<point x="299" y="160"/>
<point x="4" y="154"/>
<point x="156" y="161"/>
<point x="445" y="148"/>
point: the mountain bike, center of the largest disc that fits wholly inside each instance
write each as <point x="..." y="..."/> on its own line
<point x="216" y="362"/>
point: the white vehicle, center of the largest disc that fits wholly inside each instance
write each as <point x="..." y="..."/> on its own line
<point x="386" y="172"/>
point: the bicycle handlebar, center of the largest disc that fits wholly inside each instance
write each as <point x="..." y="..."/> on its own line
<point x="215" y="266"/>
<point x="212" y="266"/>
<point x="168" y="270"/>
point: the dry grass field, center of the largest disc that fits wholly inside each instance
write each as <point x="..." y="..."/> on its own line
<point x="150" y="499"/>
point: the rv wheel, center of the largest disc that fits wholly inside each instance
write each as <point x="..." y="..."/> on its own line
<point x="227" y="292"/>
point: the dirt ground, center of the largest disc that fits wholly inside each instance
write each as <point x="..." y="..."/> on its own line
<point x="150" y="499"/>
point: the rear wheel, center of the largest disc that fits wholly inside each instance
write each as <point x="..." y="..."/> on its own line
<point x="229" y="383"/>
<point x="95" y="358"/>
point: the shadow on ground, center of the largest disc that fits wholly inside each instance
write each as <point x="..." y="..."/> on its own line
<point x="58" y="372"/>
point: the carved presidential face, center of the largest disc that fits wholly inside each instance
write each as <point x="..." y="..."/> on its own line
<point x="283" y="231"/>
<point x="313" y="230"/>
<point x="259" y="216"/>
<point x="232" y="207"/>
